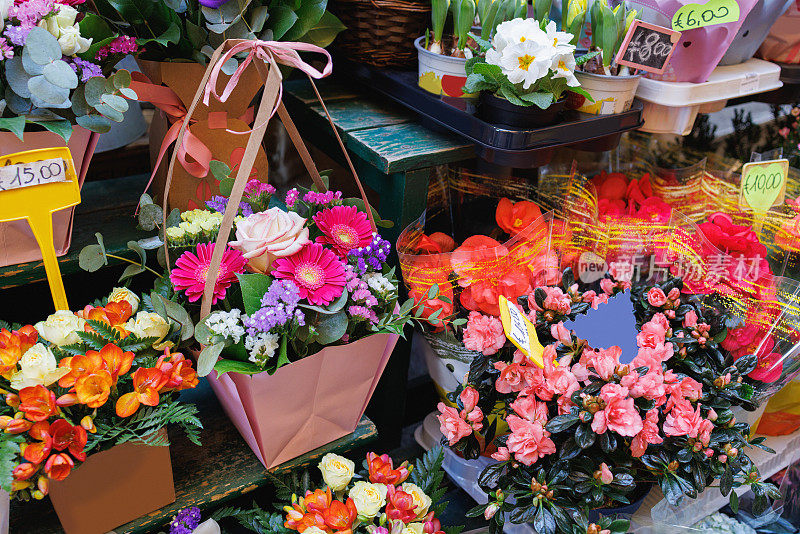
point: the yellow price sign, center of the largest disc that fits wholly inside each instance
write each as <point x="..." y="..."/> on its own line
<point x="33" y="185"/>
<point x="521" y="332"/>
<point x="713" y="12"/>
<point x="764" y="184"/>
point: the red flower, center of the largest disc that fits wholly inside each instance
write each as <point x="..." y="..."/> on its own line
<point x="36" y="452"/>
<point x="24" y="471"/>
<point x="513" y="217"/>
<point x="58" y="466"/>
<point x="769" y="367"/>
<point x="341" y="516"/>
<point x="400" y="505"/>
<point x="66" y="436"/>
<point x="37" y="402"/>
<point x="382" y="471"/>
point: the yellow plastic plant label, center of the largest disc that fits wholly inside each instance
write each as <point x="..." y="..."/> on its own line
<point x="692" y="16"/>
<point x="521" y="332"/>
<point x="33" y="185"/>
<point x="764" y="184"/>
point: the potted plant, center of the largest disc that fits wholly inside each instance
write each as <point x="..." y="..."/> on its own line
<point x="442" y="58"/>
<point x="524" y="75"/>
<point x="88" y="396"/>
<point x="612" y="86"/>
<point x="62" y="94"/>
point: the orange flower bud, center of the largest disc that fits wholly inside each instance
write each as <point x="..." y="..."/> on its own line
<point x="88" y="424"/>
<point x="12" y="399"/>
<point x="18" y="426"/>
<point x="24" y="471"/>
<point x="4" y="420"/>
<point x="44" y="485"/>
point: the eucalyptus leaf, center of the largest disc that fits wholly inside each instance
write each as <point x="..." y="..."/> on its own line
<point x="208" y="358"/>
<point x="17" y="77"/>
<point x="92" y="258"/>
<point x="331" y="328"/>
<point x="42" y="46"/>
<point x="60" y="74"/>
<point x="149" y="216"/>
<point x="15" y="125"/>
<point x="46" y="94"/>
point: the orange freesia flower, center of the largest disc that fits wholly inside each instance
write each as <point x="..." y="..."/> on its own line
<point x="80" y="365"/>
<point x="300" y="521"/>
<point x="66" y="436"/>
<point x="67" y="399"/>
<point x="116" y="361"/>
<point x="58" y="466"/>
<point x="37" y="403"/>
<point x="318" y="501"/>
<point x="115" y="314"/>
<point x="40" y="430"/>
<point x="382" y="471"/>
<point x="36" y="452"/>
<point x="13" y="345"/>
<point x="178" y="371"/>
<point x="17" y="426"/>
<point x="513" y="217"/>
<point x="147" y="382"/>
<point x="341" y="516"/>
<point x="93" y="389"/>
<point x="24" y="471"/>
<point x="400" y="505"/>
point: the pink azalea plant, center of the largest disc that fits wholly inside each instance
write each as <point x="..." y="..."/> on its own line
<point x="586" y="431"/>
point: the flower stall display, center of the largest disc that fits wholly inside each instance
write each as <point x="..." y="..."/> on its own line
<point x="612" y="86"/>
<point x="57" y="92"/>
<point x="525" y="74"/>
<point x="88" y="397"/>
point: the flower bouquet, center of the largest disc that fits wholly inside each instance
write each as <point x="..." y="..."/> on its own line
<point x="528" y="66"/>
<point x="88" y="397"/>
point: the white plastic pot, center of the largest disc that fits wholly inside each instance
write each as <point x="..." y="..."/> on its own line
<point x="611" y="94"/>
<point x="439" y="74"/>
<point x="447" y="373"/>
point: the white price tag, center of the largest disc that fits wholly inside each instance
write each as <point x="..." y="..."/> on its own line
<point x="749" y="85"/>
<point x="34" y="173"/>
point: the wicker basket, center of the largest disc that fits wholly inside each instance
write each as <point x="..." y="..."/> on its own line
<point x="381" y="32"/>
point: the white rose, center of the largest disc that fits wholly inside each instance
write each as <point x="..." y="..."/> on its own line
<point x="337" y="471"/>
<point x="267" y="235"/>
<point x="368" y="498"/>
<point x="118" y="294"/>
<point x="72" y="43"/>
<point x="61" y="327"/>
<point x="413" y="528"/>
<point x="37" y="367"/>
<point x="51" y="26"/>
<point x="149" y="324"/>
<point x="421" y="501"/>
<point x="65" y="16"/>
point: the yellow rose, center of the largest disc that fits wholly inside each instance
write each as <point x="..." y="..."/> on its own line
<point x="118" y="294"/>
<point x="421" y="501"/>
<point x="59" y="329"/>
<point x="368" y="498"/>
<point x="413" y="528"/>
<point x="149" y="324"/>
<point x="337" y="471"/>
<point x="38" y="366"/>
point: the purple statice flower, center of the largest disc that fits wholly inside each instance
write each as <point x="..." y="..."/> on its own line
<point x="373" y="256"/>
<point x="29" y="13"/>
<point x="322" y="199"/>
<point x="186" y="521"/>
<point x="219" y="202"/>
<point x="361" y="312"/>
<point x="6" y="50"/>
<point x="291" y="197"/>
<point x="17" y="34"/>
<point x="88" y="69"/>
<point x="278" y="307"/>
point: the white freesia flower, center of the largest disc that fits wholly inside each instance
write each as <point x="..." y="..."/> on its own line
<point x="564" y="67"/>
<point x="560" y="40"/>
<point x="526" y="62"/>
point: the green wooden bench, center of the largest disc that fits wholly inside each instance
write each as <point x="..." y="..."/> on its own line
<point x="223" y="469"/>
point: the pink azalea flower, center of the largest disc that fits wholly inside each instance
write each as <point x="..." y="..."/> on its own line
<point x="538" y="384"/>
<point x="661" y="320"/>
<point x="606" y="476"/>
<point x="604" y="362"/>
<point x="512" y="377"/>
<point x="191" y="271"/>
<point x="690" y="319"/>
<point x="555" y="300"/>
<point x="648" y="435"/>
<point x="656" y="297"/>
<point x="484" y="333"/>
<point x="682" y="419"/>
<point x="316" y="271"/>
<point x="607" y="286"/>
<point x="652" y="357"/>
<point x="531" y="409"/>
<point x="562" y="380"/>
<point x="469" y="398"/>
<point x="502" y="454"/>
<point x="611" y="392"/>
<point x="619" y="416"/>
<point x="689" y="388"/>
<point x="528" y="441"/>
<point x="343" y="227"/>
<point x="650" y="385"/>
<point x="560" y="332"/>
<point x="452" y="425"/>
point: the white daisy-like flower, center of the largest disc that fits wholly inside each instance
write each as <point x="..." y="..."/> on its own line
<point x="558" y="39"/>
<point x="563" y="66"/>
<point x="517" y="31"/>
<point x="526" y="62"/>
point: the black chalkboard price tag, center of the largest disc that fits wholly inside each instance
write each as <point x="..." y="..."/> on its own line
<point x="648" y="47"/>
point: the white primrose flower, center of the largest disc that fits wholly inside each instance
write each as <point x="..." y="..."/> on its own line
<point x="527" y="62"/>
<point x="262" y="347"/>
<point x="517" y="31"/>
<point x="560" y="40"/>
<point x="564" y="67"/>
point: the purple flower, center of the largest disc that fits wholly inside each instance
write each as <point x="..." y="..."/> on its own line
<point x="218" y="203"/>
<point x="88" y="69"/>
<point x="361" y="312"/>
<point x="6" y="50"/>
<point x="186" y="521"/>
<point x="373" y="256"/>
<point x="17" y="34"/>
<point x="30" y="12"/>
<point x="278" y="307"/>
<point x="213" y="4"/>
<point x="312" y="197"/>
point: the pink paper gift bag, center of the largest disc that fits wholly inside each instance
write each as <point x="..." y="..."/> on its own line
<point x="17" y="244"/>
<point x="699" y="50"/>
<point x="305" y="404"/>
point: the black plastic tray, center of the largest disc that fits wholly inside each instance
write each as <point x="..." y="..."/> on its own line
<point x="501" y="146"/>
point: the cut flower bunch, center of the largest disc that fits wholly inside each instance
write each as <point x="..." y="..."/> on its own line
<point x="79" y="383"/>
<point x="585" y="431"/>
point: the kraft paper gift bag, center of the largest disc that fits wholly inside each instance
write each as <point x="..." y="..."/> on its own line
<point x="305" y="404"/>
<point x="114" y="487"/>
<point x="783" y="42"/>
<point x="17" y="243"/>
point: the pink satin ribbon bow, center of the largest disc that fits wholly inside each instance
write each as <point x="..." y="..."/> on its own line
<point x="285" y="53"/>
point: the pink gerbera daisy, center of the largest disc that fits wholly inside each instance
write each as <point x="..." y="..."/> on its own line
<point x="344" y="227"/>
<point x="191" y="270"/>
<point x="316" y="271"/>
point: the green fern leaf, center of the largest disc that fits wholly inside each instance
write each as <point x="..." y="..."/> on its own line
<point x="135" y="344"/>
<point x="427" y="473"/>
<point x="105" y="331"/>
<point x="92" y="340"/>
<point x="70" y="350"/>
<point x="9" y="450"/>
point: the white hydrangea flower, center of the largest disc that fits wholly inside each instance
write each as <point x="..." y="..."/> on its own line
<point x="226" y="324"/>
<point x="262" y="347"/>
